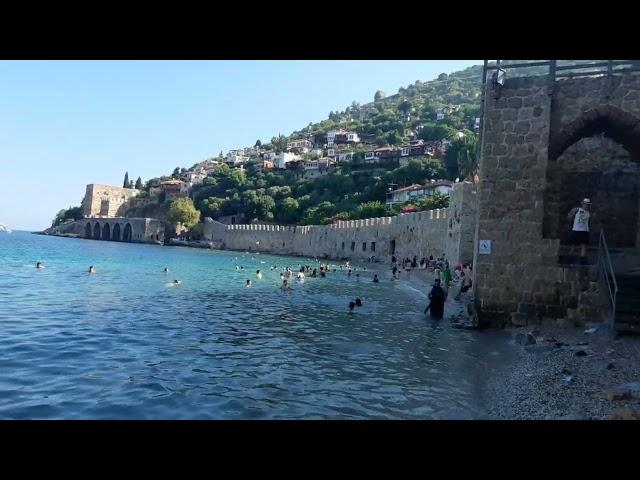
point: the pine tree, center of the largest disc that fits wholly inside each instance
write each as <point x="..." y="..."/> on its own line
<point x="125" y="184"/>
<point x="139" y="183"/>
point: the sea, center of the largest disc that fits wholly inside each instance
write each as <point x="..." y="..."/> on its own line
<point x="125" y="343"/>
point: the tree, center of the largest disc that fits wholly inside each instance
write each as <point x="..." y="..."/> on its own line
<point x="379" y="96"/>
<point x="442" y="76"/>
<point x="176" y="172"/>
<point x="394" y="138"/>
<point x="431" y="132"/>
<point x="211" y="207"/>
<point x="288" y="210"/>
<point x="461" y="157"/>
<point x="182" y="210"/>
<point x="437" y="200"/>
<point x="65" y="215"/>
<point x="405" y="107"/>
<point x="130" y="183"/>
<point x="371" y="210"/>
<point x="125" y="184"/>
<point x="258" y="143"/>
<point x="279" y="143"/>
<point x="139" y="183"/>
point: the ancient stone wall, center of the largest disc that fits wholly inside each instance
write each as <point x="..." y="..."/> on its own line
<point x="137" y="230"/>
<point x="414" y="234"/>
<point x="106" y="200"/>
<point x="528" y="131"/>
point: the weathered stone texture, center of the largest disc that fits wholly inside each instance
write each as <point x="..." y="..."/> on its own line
<point x="448" y="231"/>
<point x="106" y="200"/>
<point x="532" y="170"/>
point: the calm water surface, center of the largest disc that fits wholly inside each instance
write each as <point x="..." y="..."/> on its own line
<point x="121" y="344"/>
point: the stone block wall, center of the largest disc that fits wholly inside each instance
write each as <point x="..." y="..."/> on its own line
<point x="414" y="234"/>
<point x="528" y="132"/>
<point x="106" y="200"/>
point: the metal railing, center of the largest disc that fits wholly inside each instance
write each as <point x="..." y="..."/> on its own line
<point x="607" y="277"/>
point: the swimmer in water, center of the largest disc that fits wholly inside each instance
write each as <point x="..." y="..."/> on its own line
<point x="166" y="270"/>
<point x="375" y="278"/>
<point x="358" y="302"/>
<point x="248" y="284"/>
<point x="175" y="283"/>
<point x="258" y="274"/>
<point x="39" y="265"/>
<point x="300" y="277"/>
<point x="285" y="285"/>
<point x="351" y="307"/>
<point x="92" y="269"/>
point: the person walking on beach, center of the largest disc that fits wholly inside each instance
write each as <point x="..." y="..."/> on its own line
<point x="437" y="298"/>
<point x="581" y="217"/>
<point x="446" y="275"/>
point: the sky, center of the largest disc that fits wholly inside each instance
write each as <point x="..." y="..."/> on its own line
<point x="65" y="124"/>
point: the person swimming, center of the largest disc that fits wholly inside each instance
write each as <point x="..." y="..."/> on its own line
<point x="174" y="283"/>
<point x="352" y="305"/>
<point x="300" y="276"/>
<point x="92" y="269"/>
<point x="258" y="274"/>
<point x="285" y="285"/>
<point x="39" y="265"/>
<point x="166" y="270"/>
<point x="375" y="278"/>
<point x="358" y="302"/>
<point x="248" y="284"/>
<point x="349" y="274"/>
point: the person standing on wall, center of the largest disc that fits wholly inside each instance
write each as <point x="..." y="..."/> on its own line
<point x="580" y="218"/>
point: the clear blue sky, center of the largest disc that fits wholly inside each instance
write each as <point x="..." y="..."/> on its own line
<point x="64" y="124"/>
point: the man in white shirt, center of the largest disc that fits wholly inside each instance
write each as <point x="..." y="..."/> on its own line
<point x="580" y="218"/>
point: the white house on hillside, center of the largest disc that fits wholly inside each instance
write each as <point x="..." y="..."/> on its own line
<point x="280" y="160"/>
<point x="416" y="192"/>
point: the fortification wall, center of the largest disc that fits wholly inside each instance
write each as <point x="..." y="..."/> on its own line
<point x="420" y="234"/>
<point x="106" y="200"/>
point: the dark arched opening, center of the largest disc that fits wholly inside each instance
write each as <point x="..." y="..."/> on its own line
<point x="106" y="232"/>
<point x="128" y="233"/>
<point x="96" y="231"/>
<point x="115" y="235"/>
<point x="596" y="156"/>
<point x="87" y="230"/>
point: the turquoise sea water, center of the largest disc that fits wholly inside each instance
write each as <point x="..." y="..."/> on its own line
<point x="120" y="344"/>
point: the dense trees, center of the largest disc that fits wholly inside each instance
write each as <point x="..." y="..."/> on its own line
<point x="139" y="183"/>
<point x="67" y="215"/>
<point x="184" y="212"/>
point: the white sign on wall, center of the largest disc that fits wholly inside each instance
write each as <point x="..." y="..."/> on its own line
<point x="484" y="247"/>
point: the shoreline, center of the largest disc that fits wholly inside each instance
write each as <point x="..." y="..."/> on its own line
<point x="556" y="373"/>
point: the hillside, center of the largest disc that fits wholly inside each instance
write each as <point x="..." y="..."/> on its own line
<point x="435" y="121"/>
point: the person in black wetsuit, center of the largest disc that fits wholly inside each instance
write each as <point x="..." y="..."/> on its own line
<point x="437" y="298"/>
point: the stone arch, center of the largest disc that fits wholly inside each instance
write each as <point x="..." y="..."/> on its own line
<point x="621" y="126"/>
<point x="88" y="230"/>
<point x="115" y="234"/>
<point x="96" y="231"/>
<point x="127" y="235"/>
<point x="106" y="231"/>
<point x="596" y="155"/>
